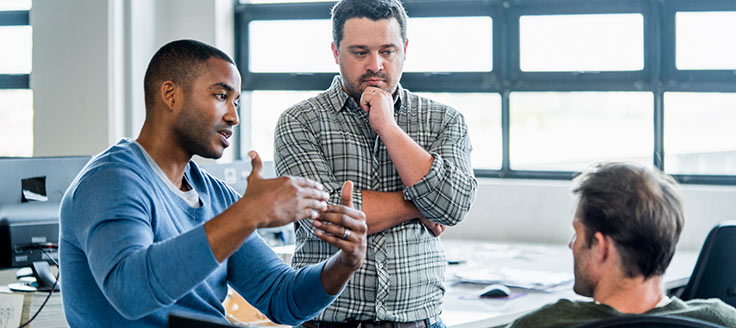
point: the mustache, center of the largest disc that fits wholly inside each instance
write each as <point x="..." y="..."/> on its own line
<point x="379" y="75"/>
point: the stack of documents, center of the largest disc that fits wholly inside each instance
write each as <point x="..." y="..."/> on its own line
<point x="519" y="278"/>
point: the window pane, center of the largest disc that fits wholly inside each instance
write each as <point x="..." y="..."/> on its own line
<point x="449" y="44"/>
<point x="704" y="40"/>
<point x="15" y="5"/>
<point x="266" y="107"/>
<point x="282" y="1"/>
<point x="482" y="113"/>
<point x="15" y="57"/>
<point x="699" y="133"/>
<point x="291" y="46"/>
<point x="16" y="123"/>
<point x="569" y="131"/>
<point x="610" y="42"/>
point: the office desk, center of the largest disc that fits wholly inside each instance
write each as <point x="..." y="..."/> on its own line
<point x="52" y="315"/>
<point x="463" y="309"/>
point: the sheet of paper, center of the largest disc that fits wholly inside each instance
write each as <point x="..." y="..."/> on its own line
<point x="11" y="307"/>
<point x="512" y="277"/>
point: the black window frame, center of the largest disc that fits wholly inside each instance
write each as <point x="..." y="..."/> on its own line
<point x="14" y="18"/>
<point x="658" y="75"/>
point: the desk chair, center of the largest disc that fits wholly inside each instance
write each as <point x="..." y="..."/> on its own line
<point x="714" y="275"/>
<point x="649" y="321"/>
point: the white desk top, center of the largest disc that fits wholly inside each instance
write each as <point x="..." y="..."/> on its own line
<point x="463" y="309"/>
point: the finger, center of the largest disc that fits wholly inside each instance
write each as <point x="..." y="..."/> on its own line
<point x="256" y="165"/>
<point x="335" y="230"/>
<point x="346" y="195"/>
<point x="307" y="213"/>
<point x="313" y="194"/>
<point x="308" y="183"/>
<point x="366" y="99"/>
<point x="344" y="245"/>
<point x="315" y="204"/>
<point x="344" y="216"/>
<point x="436" y="230"/>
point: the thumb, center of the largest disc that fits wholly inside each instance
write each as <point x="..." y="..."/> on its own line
<point x="347" y="194"/>
<point x="256" y="166"/>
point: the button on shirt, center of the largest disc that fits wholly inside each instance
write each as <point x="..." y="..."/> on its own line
<point x="328" y="138"/>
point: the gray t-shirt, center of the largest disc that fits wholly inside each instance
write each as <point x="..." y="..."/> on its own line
<point x="566" y="313"/>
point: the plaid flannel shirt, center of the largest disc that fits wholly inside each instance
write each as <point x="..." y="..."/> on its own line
<point x="328" y="138"/>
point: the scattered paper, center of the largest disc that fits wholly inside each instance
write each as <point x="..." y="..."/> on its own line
<point x="11" y="307"/>
<point x="520" y="278"/>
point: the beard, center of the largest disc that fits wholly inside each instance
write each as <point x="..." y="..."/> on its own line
<point x="583" y="285"/>
<point x="195" y="135"/>
<point x="355" y="91"/>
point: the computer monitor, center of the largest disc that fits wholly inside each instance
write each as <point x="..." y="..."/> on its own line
<point x="31" y="192"/>
<point x="189" y="320"/>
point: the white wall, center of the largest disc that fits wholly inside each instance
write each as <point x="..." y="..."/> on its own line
<point x="71" y="76"/>
<point x="542" y="211"/>
<point x="89" y="58"/>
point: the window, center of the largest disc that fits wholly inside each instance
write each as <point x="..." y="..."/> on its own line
<point x="291" y="46"/>
<point x="482" y="113"/>
<point x="699" y="133"/>
<point x="457" y="44"/>
<point x="268" y="106"/>
<point x="582" y="42"/>
<point x="568" y="131"/>
<point x="547" y="88"/>
<point x="704" y="40"/>
<point x="16" y="98"/>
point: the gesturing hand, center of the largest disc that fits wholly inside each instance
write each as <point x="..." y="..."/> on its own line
<point x="344" y="227"/>
<point x="279" y="201"/>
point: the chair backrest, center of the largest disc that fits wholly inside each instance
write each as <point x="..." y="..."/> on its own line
<point x="649" y="321"/>
<point x="714" y="275"/>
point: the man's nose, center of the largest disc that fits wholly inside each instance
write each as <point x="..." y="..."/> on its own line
<point x="375" y="63"/>
<point x="231" y="116"/>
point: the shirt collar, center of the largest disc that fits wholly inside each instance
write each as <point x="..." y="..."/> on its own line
<point x="339" y="99"/>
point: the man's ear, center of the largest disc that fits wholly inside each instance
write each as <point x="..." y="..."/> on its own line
<point x="406" y="44"/>
<point x="335" y="53"/>
<point x="601" y="246"/>
<point x="168" y="94"/>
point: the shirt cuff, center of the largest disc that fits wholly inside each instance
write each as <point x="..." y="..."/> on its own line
<point x="428" y="182"/>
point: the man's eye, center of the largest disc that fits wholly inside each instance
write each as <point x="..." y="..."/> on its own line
<point x="359" y="53"/>
<point x="221" y="96"/>
<point x="388" y="52"/>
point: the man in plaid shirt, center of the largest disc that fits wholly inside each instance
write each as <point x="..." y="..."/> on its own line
<point x="408" y="156"/>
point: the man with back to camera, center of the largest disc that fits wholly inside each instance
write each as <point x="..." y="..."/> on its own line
<point x="408" y="156"/>
<point x="145" y="232"/>
<point x="627" y="224"/>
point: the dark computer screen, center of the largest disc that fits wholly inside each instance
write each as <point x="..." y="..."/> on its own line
<point x="30" y="194"/>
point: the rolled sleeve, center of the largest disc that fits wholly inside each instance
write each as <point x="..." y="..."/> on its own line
<point x="446" y="193"/>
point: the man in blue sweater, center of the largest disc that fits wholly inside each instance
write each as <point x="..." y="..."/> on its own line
<point x="145" y="232"/>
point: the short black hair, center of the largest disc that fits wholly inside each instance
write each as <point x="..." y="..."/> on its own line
<point x="179" y="61"/>
<point x="639" y="208"/>
<point x="371" y="9"/>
